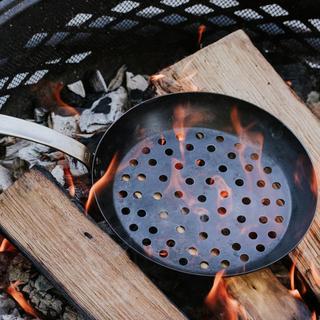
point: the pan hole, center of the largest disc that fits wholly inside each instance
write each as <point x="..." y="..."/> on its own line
<point x="244" y="258"/>
<point x="133" y="227"/>
<point x="162" y="141"/>
<point x="211" y="148"/>
<point x="146" y="150"/>
<point x="225" y="264"/>
<point x="200" y="162"/>
<point x="189" y="181"/>
<point x="280" y="202"/>
<point x="238" y="146"/>
<point x="202" y="198"/>
<point x="224" y="194"/>
<point x="254" y="156"/>
<point x="261" y="183"/>
<point x="137" y="194"/>
<point x="223" y="168"/>
<point x="141" y="177"/>
<point x="163" y="253"/>
<point x="189" y="147"/>
<point x="141" y="213"/>
<point x="239" y="182"/>
<point x="272" y="234"/>
<point x="153" y="230"/>
<point x="178" y="166"/>
<point x="125" y="211"/>
<point x="225" y="231"/>
<point x="236" y="246"/>
<point x="215" y="252"/>
<point x="133" y="162"/>
<point x="157" y="196"/>
<point x="222" y="210"/>
<point x="267" y="170"/>
<point x="246" y="200"/>
<point x="263" y="219"/>
<point x="185" y="210"/>
<point x="183" y="261"/>
<point x="146" y="242"/>
<point x="199" y="135"/>
<point x="163" y="178"/>
<point x="163" y="215"/>
<point x="204" y="265"/>
<point x="180" y="229"/>
<point x="125" y="177"/>
<point x="88" y="235"/>
<point x="203" y="235"/>
<point x="241" y="219"/>
<point x="178" y="194"/>
<point x="220" y="138"/>
<point x="123" y="194"/>
<point x="169" y="152"/>
<point x="171" y="243"/>
<point x="253" y="235"/>
<point x="265" y="201"/>
<point x="260" y="247"/>
<point x="278" y="219"/>
<point x="193" y="251"/>
<point x="276" y="185"/>
<point x="231" y="155"/>
<point x="210" y="181"/>
<point x="204" y="218"/>
<point x="249" y="167"/>
<point x="152" y="162"/>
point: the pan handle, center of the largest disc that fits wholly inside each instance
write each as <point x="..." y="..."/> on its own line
<point x="34" y="132"/>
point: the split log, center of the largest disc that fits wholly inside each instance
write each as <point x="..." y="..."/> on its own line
<point x="233" y="66"/>
<point x="83" y="261"/>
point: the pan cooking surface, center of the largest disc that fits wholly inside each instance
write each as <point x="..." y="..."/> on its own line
<point x="202" y="202"/>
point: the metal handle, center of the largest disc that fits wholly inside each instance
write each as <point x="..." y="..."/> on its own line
<point x="34" y="132"/>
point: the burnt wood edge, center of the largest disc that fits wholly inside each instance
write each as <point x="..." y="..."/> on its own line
<point x="39" y="266"/>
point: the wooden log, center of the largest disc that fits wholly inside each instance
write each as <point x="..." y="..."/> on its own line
<point x="94" y="272"/>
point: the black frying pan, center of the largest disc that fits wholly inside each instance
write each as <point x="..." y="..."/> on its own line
<point x="198" y="182"/>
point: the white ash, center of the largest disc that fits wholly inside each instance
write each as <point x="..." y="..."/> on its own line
<point x="136" y="82"/>
<point x="40" y="115"/>
<point x="58" y="174"/>
<point x="65" y="125"/>
<point x="117" y="81"/>
<point x="77" y="168"/>
<point x="77" y="88"/>
<point x="5" y="178"/>
<point x="104" y="111"/>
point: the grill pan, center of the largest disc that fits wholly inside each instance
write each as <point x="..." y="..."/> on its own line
<point x="192" y="185"/>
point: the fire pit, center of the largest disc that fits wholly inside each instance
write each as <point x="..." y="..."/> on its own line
<point x="89" y="100"/>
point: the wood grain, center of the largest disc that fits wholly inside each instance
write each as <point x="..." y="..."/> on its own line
<point x="233" y="66"/>
<point x="84" y="261"/>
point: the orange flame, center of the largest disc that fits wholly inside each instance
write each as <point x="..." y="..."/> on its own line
<point x="6" y="246"/>
<point x="156" y="77"/>
<point x="313" y="316"/>
<point x="102" y="182"/>
<point x="219" y="301"/>
<point x="20" y="299"/>
<point x="56" y="94"/>
<point x="201" y="30"/>
<point x="69" y="180"/>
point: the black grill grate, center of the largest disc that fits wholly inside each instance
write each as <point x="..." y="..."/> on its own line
<point x="40" y="36"/>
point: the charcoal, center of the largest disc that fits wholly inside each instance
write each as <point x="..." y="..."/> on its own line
<point x="117" y="81"/>
<point x="42" y="284"/>
<point x="40" y="115"/>
<point x="5" y="260"/>
<point x="313" y="102"/>
<point x="72" y="99"/>
<point x="6" y="304"/>
<point x="5" y="178"/>
<point x="19" y="167"/>
<point x="19" y="269"/>
<point x="94" y="82"/>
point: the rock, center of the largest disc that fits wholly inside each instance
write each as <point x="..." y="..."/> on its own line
<point x="42" y="284"/>
<point x="94" y="82"/>
<point x="77" y="88"/>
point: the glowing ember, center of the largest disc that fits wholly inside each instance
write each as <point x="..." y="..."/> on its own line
<point x="56" y="94"/>
<point x="20" y="299"/>
<point x="156" y="77"/>
<point x="201" y="31"/>
<point x="6" y="246"/>
<point x="102" y="182"/>
<point x="69" y="180"/>
<point x="220" y="302"/>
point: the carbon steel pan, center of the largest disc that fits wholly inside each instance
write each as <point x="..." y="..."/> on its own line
<point x="200" y="182"/>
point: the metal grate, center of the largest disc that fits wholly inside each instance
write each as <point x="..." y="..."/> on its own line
<point x="70" y="32"/>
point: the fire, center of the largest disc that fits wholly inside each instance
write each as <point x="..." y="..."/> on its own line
<point x="201" y="30"/>
<point x="69" y="180"/>
<point x="56" y="94"/>
<point x="220" y="302"/>
<point x="6" y="246"/>
<point x="20" y="299"/>
<point x="102" y="182"/>
<point x="156" y="77"/>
